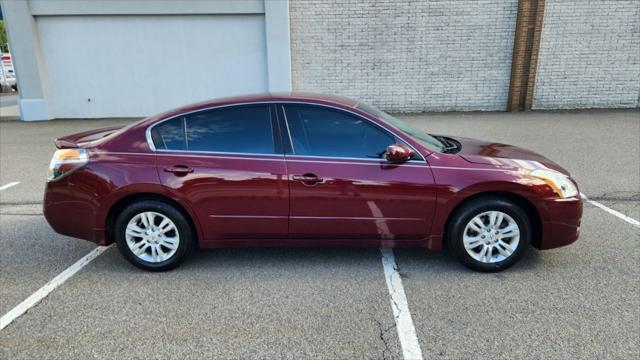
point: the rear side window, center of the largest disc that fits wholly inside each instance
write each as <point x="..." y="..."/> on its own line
<point x="232" y="130"/>
<point x="169" y="135"/>
<point x="317" y="131"/>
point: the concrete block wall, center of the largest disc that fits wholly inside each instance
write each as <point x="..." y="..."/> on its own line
<point x="405" y="56"/>
<point x="589" y="55"/>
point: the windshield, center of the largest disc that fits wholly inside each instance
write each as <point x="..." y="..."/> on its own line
<point x="419" y="135"/>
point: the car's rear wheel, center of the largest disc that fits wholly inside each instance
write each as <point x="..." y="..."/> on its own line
<point x="153" y="235"/>
<point x="489" y="234"/>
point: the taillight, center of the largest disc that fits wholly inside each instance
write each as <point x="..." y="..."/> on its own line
<point x="65" y="161"/>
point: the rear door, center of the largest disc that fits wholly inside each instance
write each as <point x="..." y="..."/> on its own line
<point x="342" y="188"/>
<point x="227" y="163"/>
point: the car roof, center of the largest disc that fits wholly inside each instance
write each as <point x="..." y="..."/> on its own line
<point x="262" y="97"/>
<point x="293" y="96"/>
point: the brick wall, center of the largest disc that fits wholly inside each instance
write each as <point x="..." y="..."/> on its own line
<point x="405" y="56"/>
<point x="589" y="55"/>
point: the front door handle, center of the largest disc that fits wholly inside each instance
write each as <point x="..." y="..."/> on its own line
<point x="179" y="169"/>
<point x="308" y="179"/>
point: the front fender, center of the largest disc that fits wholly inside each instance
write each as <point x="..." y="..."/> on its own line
<point x="449" y="199"/>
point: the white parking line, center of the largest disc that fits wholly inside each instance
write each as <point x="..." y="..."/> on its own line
<point x="622" y="216"/>
<point x="6" y="186"/>
<point x="37" y="296"/>
<point x="404" y="323"/>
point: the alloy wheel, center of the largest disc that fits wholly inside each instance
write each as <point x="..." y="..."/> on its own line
<point x="491" y="237"/>
<point x="152" y="237"/>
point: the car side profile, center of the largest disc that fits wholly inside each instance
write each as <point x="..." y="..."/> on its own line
<point x="304" y="170"/>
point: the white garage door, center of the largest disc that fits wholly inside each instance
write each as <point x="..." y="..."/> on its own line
<point x="122" y="66"/>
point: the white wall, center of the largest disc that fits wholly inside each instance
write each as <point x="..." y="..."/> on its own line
<point x="140" y="57"/>
<point x="124" y="66"/>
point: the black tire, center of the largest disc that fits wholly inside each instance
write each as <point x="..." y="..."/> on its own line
<point x="467" y="212"/>
<point x="186" y="239"/>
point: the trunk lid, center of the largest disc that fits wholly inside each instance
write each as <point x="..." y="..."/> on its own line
<point x="85" y="137"/>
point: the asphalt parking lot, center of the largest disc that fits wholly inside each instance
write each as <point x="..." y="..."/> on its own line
<point x="581" y="301"/>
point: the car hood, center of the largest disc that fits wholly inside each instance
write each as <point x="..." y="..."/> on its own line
<point x="503" y="155"/>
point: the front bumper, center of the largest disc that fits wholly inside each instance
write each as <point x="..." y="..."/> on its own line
<point x="561" y="222"/>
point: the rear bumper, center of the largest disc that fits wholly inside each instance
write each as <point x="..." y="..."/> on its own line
<point x="71" y="209"/>
<point x="561" y="223"/>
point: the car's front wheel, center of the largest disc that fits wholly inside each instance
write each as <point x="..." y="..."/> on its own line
<point x="153" y="235"/>
<point x="489" y="234"/>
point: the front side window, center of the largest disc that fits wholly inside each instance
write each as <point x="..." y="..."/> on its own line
<point x="232" y="130"/>
<point x="317" y="131"/>
<point x="420" y="136"/>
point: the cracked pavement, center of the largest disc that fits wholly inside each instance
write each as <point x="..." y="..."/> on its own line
<point x="384" y="334"/>
<point x="582" y="301"/>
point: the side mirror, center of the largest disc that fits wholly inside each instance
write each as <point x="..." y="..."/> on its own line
<point x="398" y="153"/>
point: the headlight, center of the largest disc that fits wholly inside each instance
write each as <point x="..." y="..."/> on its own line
<point x="65" y="161"/>
<point x="560" y="183"/>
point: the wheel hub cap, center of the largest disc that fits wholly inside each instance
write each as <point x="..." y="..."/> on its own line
<point x="152" y="237"/>
<point x="491" y="237"/>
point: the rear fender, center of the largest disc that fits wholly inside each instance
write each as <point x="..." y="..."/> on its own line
<point x="109" y="201"/>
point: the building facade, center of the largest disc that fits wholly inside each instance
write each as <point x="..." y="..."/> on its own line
<point x="406" y="56"/>
<point x="83" y="59"/>
<point x="589" y="55"/>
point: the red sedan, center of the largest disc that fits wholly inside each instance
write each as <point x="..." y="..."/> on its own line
<point x="304" y="170"/>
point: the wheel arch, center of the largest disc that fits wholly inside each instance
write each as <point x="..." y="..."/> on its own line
<point x="125" y="201"/>
<point x="527" y="206"/>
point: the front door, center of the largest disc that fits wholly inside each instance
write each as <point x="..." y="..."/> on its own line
<point x="227" y="164"/>
<point x="342" y="188"/>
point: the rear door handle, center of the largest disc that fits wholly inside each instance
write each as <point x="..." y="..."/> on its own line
<point x="179" y="169"/>
<point x="308" y="179"/>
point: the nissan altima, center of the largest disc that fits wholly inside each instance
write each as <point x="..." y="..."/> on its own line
<point x="304" y="170"/>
